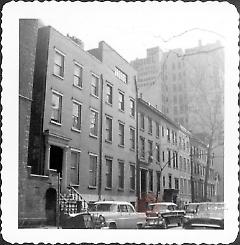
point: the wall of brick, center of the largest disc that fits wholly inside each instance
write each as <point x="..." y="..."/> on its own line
<point x="27" y="48"/>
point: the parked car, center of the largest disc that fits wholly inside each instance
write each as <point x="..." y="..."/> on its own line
<point x="118" y="215"/>
<point x="207" y="215"/>
<point x="162" y="214"/>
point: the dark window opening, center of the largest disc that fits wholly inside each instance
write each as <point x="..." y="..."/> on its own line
<point x="56" y="158"/>
<point x="143" y="181"/>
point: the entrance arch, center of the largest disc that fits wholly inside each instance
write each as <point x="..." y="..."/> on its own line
<point x="50" y="207"/>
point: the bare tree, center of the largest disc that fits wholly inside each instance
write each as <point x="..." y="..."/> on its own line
<point x="205" y="102"/>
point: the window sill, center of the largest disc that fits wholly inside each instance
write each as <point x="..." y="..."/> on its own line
<point x="149" y="133"/>
<point x="95" y="96"/>
<point x="93" y="136"/>
<point x="74" y="185"/>
<point x="133" y="117"/>
<point x="121" y="189"/>
<point x="108" y="141"/>
<point x="110" y="104"/>
<point x="142" y="129"/>
<point x="132" y="190"/>
<point x="55" y="123"/>
<point x="121" y="110"/>
<point x="132" y="149"/>
<point x="77" y="86"/>
<point x="122" y="146"/>
<point x="60" y="77"/>
<point x="108" y="188"/>
<point x="76" y="130"/>
<point x="92" y="187"/>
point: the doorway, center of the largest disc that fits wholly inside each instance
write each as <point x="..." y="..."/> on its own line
<point x="56" y="158"/>
<point x="50" y="207"/>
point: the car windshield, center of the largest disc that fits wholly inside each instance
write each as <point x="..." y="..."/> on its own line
<point x="106" y="207"/>
<point x="191" y="208"/>
<point x="161" y="207"/>
<point x="211" y="207"/>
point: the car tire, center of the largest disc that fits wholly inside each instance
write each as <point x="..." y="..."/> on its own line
<point x="139" y="226"/>
<point x="165" y="225"/>
<point x="112" y="226"/>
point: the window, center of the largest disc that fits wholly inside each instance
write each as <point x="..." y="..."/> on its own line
<point x="150" y="178"/>
<point x="142" y="147"/>
<point x="174" y="165"/>
<point x="181" y="164"/>
<point x="149" y="125"/>
<point x="164" y="181"/>
<point x="176" y="183"/>
<point x="94" y="85"/>
<point x="109" y="94"/>
<point x="93" y="123"/>
<point x="176" y="161"/>
<point x="108" y="173"/>
<point x="132" y="138"/>
<point x="132" y="107"/>
<point x="142" y="124"/>
<point x="121" y="134"/>
<point x="56" y="107"/>
<point x="121" y="175"/>
<point x="132" y="177"/>
<point x="76" y="116"/>
<point x="93" y="171"/>
<point x="150" y="150"/>
<point x="162" y="131"/>
<point x="121" y="101"/>
<point x="168" y="134"/>
<point x="121" y="75"/>
<point x="77" y="76"/>
<point x="158" y="152"/>
<point x="74" y="174"/>
<point x="170" y="181"/>
<point x="163" y="156"/>
<point x="157" y="130"/>
<point x="108" y="129"/>
<point x="58" y="64"/>
<point x="184" y="164"/>
<point x="169" y="158"/>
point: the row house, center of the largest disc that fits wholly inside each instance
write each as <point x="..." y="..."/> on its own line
<point x="163" y="158"/>
<point x="198" y="165"/>
<point x="83" y="130"/>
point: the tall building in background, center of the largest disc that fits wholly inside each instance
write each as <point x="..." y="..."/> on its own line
<point x="150" y="82"/>
<point x="188" y="87"/>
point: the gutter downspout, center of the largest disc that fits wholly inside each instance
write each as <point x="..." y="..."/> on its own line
<point x="137" y="159"/>
<point x="100" y="139"/>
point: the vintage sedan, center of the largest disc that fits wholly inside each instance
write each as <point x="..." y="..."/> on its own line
<point x="207" y="215"/>
<point x="118" y="215"/>
<point x="162" y="214"/>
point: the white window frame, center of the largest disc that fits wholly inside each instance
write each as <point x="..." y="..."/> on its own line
<point x="97" y="87"/>
<point x="60" y="95"/>
<point x="81" y="77"/>
<point x="109" y="174"/>
<point x="79" y="104"/>
<point x="107" y="95"/>
<point x="62" y="65"/>
<point x="78" y="165"/>
<point x="93" y="135"/>
<point x="110" y="130"/>
<point x="89" y="184"/>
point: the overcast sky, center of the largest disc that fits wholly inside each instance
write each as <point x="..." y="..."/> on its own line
<point x="131" y="28"/>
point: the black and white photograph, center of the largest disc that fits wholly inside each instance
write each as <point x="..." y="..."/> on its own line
<point x="120" y="122"/>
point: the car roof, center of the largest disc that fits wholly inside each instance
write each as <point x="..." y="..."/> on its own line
<point x="163" y="203"/>
<point x="112" y="202"/>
